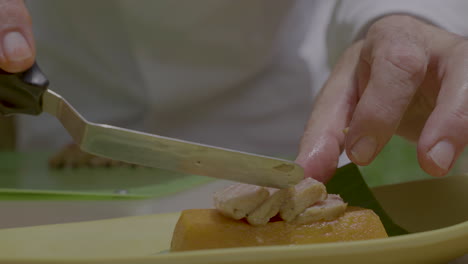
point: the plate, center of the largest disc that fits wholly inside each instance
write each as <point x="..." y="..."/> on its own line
<point x="435" y="210"/>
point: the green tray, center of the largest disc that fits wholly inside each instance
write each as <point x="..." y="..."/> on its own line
<point x="26" y="176"/>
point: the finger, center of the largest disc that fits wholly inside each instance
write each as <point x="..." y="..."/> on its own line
<point x="445" y="133"/>
<point x="59" y="159"/>
<point x="115" y="163"/>
<point x="81" y="158"/>
<point x="323" y="139"/>
<point x="99" y="162"/>
<point x="397" y="60"/>
<point x="17" y="50"/>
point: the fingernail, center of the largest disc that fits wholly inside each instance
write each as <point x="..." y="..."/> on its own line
<point x="364" y="149"/>
<point x="442" y="154"/>
<point x="16" y="47"/>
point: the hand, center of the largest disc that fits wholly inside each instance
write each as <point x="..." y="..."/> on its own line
<point x="71" y="156"/>
<point x="405" y="77"/>
<point x="17" y="50"/>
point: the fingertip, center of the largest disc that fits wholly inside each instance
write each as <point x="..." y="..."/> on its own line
<point x="437" y="159"/>
<point x="363" y="151"/>
<point x="320" y="159"/>
<point x="17" y="53"/>
<point x="442" y="140"/>
<point x="322" y="173"/>
<point x="17" y="49"/>
<point x="17" y="67"/>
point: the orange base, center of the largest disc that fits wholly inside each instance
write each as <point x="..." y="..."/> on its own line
<point x="208" y="229"/>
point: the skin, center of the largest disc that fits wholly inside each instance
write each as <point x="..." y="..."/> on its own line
<point x="14" y="18"/>
<point x="404" y="77"/>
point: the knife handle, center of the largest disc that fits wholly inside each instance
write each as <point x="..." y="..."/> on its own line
<point x="21" y="93"/>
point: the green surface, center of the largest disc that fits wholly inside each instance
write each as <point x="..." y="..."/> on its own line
<point x="26" y="176"/>
<point x="396" y="163"/>
<point x="349" y="183"/>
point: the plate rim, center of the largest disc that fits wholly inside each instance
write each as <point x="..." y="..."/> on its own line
<point x="449" y="233"/>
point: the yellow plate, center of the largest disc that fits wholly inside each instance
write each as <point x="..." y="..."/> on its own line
<point x="436" y="209"/>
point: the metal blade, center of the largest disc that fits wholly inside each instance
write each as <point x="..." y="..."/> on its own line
<point x="171" y="154"/>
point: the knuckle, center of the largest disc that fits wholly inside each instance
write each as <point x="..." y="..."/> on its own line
<point x="387" y="26"/>
<point x="460" y="114"/>
<point x="406" y="60"/>
<point x="399" y="43"/>
<point x="378" y="30"/>
<point x="393" y="24"/>
<point x="458" y="57"/>
<point x="381" y="112"/>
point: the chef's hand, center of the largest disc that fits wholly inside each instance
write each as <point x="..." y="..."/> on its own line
<point x="17" y="50"/>
<point x="405" y="77"/>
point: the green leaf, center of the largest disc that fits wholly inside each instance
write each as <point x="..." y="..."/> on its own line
<point x="350" y="185"/>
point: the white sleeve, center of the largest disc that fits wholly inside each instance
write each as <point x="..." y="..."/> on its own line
<point x="350" y="19"/>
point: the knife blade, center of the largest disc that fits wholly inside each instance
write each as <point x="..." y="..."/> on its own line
<point x="152" y="150"/>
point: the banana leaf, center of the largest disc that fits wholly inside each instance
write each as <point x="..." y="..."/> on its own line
<point x="350" y="185"/>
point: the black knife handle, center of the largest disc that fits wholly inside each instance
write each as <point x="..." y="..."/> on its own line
<point x="21" y="93"/>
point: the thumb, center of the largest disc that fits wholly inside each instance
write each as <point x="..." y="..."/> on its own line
<point x="16" y="39"/>
<point x="323" y="139"/>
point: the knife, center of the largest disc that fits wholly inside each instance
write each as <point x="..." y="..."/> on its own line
<point x="28" y="93"/>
